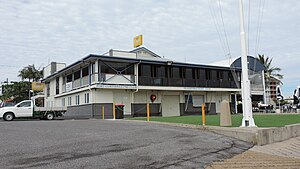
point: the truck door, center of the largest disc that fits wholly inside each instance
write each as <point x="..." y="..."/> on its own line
<point x="24" y="109"/>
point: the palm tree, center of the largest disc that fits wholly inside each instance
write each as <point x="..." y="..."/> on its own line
<point x="31" y="73"/>
<point x="270" y="72"/>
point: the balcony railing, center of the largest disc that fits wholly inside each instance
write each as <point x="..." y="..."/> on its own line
<point x="85" y="80"/>
<point x="117" y="78"/>
<point x="76" y="83"/>
<point x="180" y="82"/>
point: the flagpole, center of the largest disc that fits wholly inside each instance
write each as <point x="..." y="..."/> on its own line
<point x="248" y="120"/>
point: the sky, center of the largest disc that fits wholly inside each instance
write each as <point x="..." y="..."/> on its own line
<point x="198" y="31"/>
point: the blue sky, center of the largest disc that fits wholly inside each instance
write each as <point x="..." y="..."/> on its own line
<point x="38" y="32"/>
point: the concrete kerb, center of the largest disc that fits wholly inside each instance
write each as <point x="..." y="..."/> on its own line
<point x="254" y="135"/>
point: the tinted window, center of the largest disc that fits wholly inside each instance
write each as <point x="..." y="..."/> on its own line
<point x="159" y="71"/>
<point x="77" y="75"/>
<point x="25" y="104"/>
<point x="85" y="71"/>
<point x="69" y="78"/>
<point x="176" y="72"/>
<point x="145" y="70"/>
<point x="208" y="74"/>
<point x="57" y="85"/>
<point x="220" y="74"/>
<point x="213" y="75"/>
<point x="189" y="73"/>
<point x="202" y="74"/>
<point x="226" y="75"/>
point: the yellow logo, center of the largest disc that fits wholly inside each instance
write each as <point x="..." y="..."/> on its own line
<point x="138" y="41"/>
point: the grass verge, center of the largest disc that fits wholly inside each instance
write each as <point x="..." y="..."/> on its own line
<point x="261" y="120"/>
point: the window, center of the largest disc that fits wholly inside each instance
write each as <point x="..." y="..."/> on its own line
<point x="69" y="78"/>
<point x="145" y="70"/>
<point x="25" y="104"/>
<point x="220" y="74"/>
<point x="116" y="67"/>
<point x="69" y="101"/>
<point x="208" y="74"/>
<point x="176" y="72"/>
<point x="85" y="71"/>
<point x="189" y="73"/>
<point x="238" y="76"/>
<point x="86" y="98"/>
<point x="57" y="85"/>
<point x="77" y="75"/>
<point x="161" y="71"/>
<point x="198" y="100"/>
<point x="213" y="75"/>
<point x="201" y="74"/>
<point x="63" y="102"/>
<point x="226" y="75"/>
<point x="77" y="99"/>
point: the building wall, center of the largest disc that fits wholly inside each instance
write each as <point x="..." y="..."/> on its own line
<point x="103" y="96"/>
<point x="170" y="95"/>
<point x="123" y="97"/>
<point x="167" y="103"/>
<point x="90" y="111"/>
<point x="60" y="84"/>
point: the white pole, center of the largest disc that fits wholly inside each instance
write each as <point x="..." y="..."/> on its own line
<point x="248" y="120"/>
<point x="264" y="86"/>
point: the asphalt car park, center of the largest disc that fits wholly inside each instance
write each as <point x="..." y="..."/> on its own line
<point x="110" y="144"/>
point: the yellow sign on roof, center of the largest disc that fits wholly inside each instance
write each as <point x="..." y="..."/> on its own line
<point x="138" y="41"/>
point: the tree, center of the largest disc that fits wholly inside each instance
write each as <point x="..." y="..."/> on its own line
<point x="270" y="72"/>
<point x="17" y="91"/>
<point x="31" y="73"/>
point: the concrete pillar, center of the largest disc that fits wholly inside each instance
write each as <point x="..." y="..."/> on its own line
<point x="225" y="116"/>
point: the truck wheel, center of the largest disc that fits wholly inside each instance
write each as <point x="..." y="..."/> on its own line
<point x="8" y="116"/>
<point x="49" y="116"/>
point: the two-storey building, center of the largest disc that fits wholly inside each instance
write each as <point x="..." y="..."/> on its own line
<point x="132" y="78"/>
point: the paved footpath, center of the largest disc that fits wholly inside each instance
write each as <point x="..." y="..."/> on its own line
<point x="285" y="155"/>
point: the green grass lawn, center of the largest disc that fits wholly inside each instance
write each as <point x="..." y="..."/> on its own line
<point x="261" y="120"/>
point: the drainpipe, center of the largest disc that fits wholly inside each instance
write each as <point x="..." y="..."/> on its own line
<point x="137" y="77"/>
<point x="137" y="82"/>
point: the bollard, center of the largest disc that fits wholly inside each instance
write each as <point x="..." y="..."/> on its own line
<point x="203" y="115"/>
<point x="114" y="111"/>
<point x="148" y="112"/>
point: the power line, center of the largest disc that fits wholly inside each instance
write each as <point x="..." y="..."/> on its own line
<point x="259" y="24"/>
<point x="213" y="13"/>
<point x="223" y="41"/>
<point x="221" y="13"/>
<point x="249" y="21"/>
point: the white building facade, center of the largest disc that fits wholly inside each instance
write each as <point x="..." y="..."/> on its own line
<point x="131" y="78"/>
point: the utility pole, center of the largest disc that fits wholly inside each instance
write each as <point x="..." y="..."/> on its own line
<point x="248" y="120"/>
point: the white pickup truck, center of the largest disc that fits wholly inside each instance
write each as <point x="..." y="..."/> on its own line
<point x="27" y="108"/>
